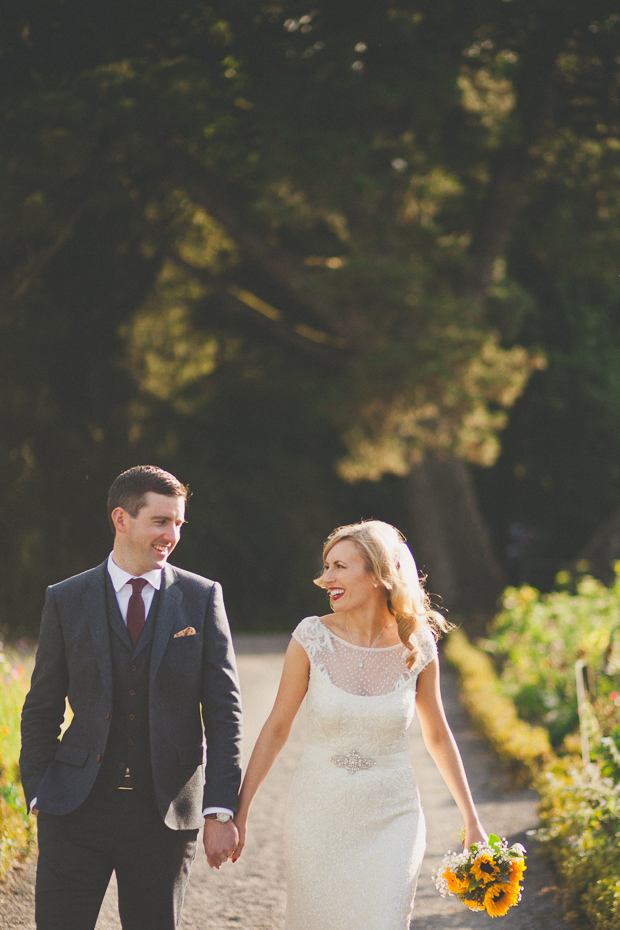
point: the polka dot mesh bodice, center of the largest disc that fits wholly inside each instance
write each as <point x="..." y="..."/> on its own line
<point x="361" y="670"/>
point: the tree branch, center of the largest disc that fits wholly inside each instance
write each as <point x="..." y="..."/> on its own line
<point x="311" y="342"/>
<point x="219" y="200"/>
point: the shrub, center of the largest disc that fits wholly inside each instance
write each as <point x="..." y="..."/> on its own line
<point x="536" y="640"/>
<point x="522" y="749"/>
<point x="17" y="827"/>
<point x="580" y="812"/>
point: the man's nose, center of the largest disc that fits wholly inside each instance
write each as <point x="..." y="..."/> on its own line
<point x="172" y="534"/>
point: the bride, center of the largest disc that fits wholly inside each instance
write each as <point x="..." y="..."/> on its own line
<point x="355" y="831"/>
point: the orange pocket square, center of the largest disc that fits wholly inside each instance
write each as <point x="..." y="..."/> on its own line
<point x="188" y="631"/>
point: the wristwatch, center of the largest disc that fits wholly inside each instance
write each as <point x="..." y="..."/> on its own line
<point x="223" y="818"/>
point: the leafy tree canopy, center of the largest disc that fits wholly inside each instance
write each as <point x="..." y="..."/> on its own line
<point x="187" y="185"/>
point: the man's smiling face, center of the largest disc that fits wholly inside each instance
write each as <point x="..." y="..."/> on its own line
<point x="145" y="541"/>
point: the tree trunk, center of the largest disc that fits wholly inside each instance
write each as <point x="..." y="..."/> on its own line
<point x="603" y="549"/>
<point x="451" y="542"/>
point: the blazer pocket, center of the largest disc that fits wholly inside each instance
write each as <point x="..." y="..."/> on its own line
<point x="73" y="755"/>
<point x="190" y="755"/>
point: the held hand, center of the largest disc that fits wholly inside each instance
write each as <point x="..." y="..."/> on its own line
<point x="241" y="825"/>
<point x="220" y="841"/>
<point x="474" y="834"/>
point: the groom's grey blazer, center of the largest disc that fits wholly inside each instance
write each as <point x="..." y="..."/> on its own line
<point x="194" y="701"/>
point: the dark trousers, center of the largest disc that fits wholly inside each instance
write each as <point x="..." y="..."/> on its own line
<point x="120" y="832"/>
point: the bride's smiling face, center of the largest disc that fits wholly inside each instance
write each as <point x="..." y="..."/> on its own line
<point x="346" y="578"/>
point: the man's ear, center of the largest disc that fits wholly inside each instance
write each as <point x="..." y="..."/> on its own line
<point x="120" y="519"/>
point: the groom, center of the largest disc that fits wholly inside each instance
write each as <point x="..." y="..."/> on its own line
<point x="142" y="651"/>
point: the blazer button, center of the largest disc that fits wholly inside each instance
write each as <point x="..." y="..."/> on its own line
<point x="134" y="668"/>
<point x="121" y="765"/>
<point x="131" y="717"/>
<point x="130" y="741"/>
<point x="107" y="714"/>
<point x="132" y="693"/>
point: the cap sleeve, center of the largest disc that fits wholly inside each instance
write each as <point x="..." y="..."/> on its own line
<point x="313" y="636"/>
<point x="427" y="646"/>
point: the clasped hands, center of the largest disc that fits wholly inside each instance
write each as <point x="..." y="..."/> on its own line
<point x="220" y="842"/>
<point x="224" y="841"/>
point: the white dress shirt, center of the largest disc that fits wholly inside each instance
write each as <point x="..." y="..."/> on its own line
<point x="120" y="582"/>
<point x="122" y="588"/>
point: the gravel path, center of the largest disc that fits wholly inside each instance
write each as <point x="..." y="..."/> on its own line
<point x="251" y="893"/>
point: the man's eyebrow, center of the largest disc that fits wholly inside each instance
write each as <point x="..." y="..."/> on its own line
<point x="164" y="517"/>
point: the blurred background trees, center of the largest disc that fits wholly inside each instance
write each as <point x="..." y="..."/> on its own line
<point x="323" y="263"/>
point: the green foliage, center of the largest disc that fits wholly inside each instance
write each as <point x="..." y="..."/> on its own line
<point x="522" y="749"/>
<point x="536" y="640"/>
<point x="358" y="178"/>
<point x="580" y="813"/>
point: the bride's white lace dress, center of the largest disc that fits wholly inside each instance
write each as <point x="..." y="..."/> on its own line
<point x="355" y="831"/>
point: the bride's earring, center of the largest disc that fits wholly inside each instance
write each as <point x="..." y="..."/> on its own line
<point x="375" y="585"/>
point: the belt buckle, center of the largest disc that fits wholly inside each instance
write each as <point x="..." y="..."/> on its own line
<point x="126" y="784"/>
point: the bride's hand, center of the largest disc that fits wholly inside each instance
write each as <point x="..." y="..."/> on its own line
<point x="241" y="826"/>
<point x="474" y="834"/>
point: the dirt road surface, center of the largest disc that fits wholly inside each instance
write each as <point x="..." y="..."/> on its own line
<point x="251" y="893"/>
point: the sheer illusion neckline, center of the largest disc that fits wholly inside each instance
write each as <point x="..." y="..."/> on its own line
<point x="341" y="639"/>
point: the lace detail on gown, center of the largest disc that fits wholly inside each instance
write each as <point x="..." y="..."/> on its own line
<point x="358" y="669"/>
<point x="355" y="838"/>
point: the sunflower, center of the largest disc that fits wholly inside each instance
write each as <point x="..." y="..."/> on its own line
<point x="484" y="868"/>
<point x="517" y="868"/>
<point x="473" y="905"/>
<point x="455" y="884"/>
<point x="499" y="898"/>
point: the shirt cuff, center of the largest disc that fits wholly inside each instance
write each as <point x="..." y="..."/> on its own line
<point x="217" y="810"/>
<point x="33" y="804"/>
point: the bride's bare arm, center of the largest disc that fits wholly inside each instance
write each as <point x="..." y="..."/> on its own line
<point x="442" y="747"/>
<point x="275" y="732"/>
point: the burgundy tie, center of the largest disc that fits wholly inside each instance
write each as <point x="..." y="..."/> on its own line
<point x="135" y="610"/>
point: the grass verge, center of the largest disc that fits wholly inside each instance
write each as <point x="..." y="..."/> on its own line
<point x="523" y="750"/>
<point x="17" y="826"/>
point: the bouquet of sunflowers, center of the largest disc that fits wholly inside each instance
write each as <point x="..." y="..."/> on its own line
<point x="486" y="877"/>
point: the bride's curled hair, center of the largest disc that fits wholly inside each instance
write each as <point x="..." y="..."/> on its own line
<point x="389" y="560"/>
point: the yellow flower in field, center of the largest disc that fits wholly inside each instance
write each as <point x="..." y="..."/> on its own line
<point x="485" y="869"/>
<point x="499" y="898"/>
<point x="455" y="884"/>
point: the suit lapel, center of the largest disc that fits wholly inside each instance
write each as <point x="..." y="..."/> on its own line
<point x="170" y="604"/>
<point x="95" y="609"/>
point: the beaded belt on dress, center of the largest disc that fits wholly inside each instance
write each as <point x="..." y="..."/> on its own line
<point x="354" y="761"/>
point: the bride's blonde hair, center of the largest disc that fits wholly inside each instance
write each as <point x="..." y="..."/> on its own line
<point x="385" y="553"/>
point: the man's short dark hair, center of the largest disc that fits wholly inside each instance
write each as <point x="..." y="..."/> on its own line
<point x="129" y="490"/>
